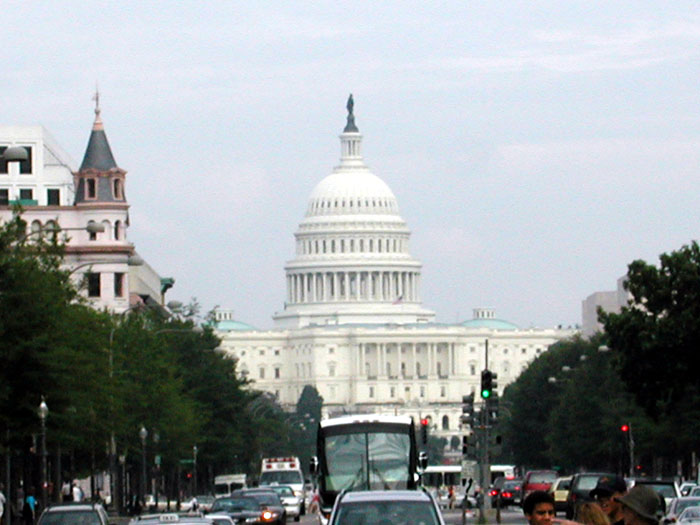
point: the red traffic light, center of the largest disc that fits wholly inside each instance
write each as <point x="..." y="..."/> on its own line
<point x="424" y="421"/>
<point x="625" y="428"/>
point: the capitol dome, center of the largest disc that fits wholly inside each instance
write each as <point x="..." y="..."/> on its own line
<point x="352" y="263"/>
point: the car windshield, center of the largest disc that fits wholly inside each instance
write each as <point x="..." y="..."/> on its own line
<point x="682" y="504"/>
<point x="235" y="505"/>
<point x="283" y="492"/>
<point x="510" y="485"/>
<point x="281" y="476"/>
<point x="586" y="483"/>
<point x="73" y="517"/>
<point x="542" y="477"/>
<point x="387" y="513"/>
<point x="266" y="498"/>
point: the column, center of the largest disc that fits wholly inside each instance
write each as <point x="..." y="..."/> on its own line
<point x="335" y="286"/>
<point x="313" y="287"/>
<point x="413" y="364"/>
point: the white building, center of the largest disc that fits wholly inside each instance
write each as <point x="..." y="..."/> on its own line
<point x="53" y="194"/>
<point x="610" y="301"/>
<point x="353" y="325"/>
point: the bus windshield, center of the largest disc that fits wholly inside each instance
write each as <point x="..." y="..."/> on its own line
<point x="368" y="461"/>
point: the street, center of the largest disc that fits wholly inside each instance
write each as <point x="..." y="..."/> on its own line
<point x="509" y="516"/>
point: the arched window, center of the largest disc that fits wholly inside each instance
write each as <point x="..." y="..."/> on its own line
<point x="117" y="185"/>
<point x="445" y="423"/>
<point x="117" y="230"/>
<point x="36" y="226"/>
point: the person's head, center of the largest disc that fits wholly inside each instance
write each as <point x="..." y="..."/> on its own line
<point x="606" y="492"/>
<point x="590" y="513"/>
<point x="641" y="506"/>
<point x="538" y="508"/>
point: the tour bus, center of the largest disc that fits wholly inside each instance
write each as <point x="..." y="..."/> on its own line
<point x="364" y="452"/>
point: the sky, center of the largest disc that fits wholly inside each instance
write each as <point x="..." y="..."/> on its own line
<point x="535" y="148"/>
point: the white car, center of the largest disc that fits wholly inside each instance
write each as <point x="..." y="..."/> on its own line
<point x="292" y="503"/>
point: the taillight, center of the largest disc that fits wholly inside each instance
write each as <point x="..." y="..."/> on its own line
<point x="507" y="495"/>
<point x="493" y="492"/>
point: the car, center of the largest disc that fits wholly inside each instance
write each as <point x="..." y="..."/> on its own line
<point x="667" y="488"/>
<point x="538" y="480"/>
<point x="695" y="491"/>
<point x="242" y="509"/>
<point x="686" y="487"/>
<point x="678" y="505"/>
<point x="221" y="519"/>
<point x="204" y="503"/>
<point x="580" y="489"/>
<point x="170" y="517"/>
<point x="495" y="490"/>
<point x="151" y="505"/>
<point x="293" y="504"/>
<point x="268" y="499"/>
<point x="560" y="491"/>
<point x="72" y="513"/>
<point x="690" y="515"/>
<point x="511" y="492"/>
<point x="385" y="507"/>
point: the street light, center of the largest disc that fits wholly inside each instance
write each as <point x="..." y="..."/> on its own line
<point x="43" y="413"/>
<point x="194" y="454"/>
<point x="143" y="434"/>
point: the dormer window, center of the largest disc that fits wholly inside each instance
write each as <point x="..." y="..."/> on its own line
<point x="90" y="188"/>
<point x="117" y="189"/>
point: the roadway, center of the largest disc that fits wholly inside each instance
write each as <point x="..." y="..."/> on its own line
<point x="509" y="516"/>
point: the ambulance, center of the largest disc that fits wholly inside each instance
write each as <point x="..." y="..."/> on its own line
<point x="285" y="471"/>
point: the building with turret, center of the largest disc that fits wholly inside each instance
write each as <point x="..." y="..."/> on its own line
<point x="353" y="324"/>
<point x="88" y="205"/>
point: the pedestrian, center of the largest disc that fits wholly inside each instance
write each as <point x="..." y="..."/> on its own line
<point x="66" y="492"/>
<point x="641" y="506"/>
<point x="77" y="492"/>
<point x="590" y="513"/>
<point x="2" y="501"/>
<point x="606" y="494"/>
<point x="538" y="508"/>
<point x="29" y="507"/>
<point x="451" y="497"/>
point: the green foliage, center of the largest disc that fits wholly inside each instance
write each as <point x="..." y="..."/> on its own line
<point x="657" y="336"/>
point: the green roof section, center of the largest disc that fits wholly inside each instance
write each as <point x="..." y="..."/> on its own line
<point x="233" y="326"/>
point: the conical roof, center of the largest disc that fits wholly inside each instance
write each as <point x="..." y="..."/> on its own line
<point x="98" y="155"/>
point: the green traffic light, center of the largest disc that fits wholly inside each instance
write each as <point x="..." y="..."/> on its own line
<point x="485" y="394"/>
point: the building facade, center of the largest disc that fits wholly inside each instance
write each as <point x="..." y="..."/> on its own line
<point x="353" y="325"/>
<point x="88" y="205"/>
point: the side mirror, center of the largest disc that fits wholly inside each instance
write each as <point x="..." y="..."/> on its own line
<point x="423" y="460"/>
<point x="313" y="465"/>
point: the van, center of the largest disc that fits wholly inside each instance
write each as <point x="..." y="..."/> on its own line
<point x="538" y="480"/>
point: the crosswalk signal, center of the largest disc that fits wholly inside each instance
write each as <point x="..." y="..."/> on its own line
<point x="468" y="409"/>
<point x="486" y="383"/>
<point x="424" y="430"/>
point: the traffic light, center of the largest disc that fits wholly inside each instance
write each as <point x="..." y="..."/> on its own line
<point x="468" y="409"/>
<point x="492" y="409"/>
<point x="469" y="445"/>
<point x="625" y="427"/>
<point x="488" y="383"/>
<point x="424" y="430"/>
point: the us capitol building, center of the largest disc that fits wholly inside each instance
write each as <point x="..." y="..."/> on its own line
<point x="353" y="325"/>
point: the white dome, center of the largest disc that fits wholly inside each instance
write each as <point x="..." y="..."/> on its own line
<point x="356" y="191"/>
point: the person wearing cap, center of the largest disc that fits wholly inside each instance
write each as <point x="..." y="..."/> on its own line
<point x="641" y="506"/>
<point x="606" y="492"/>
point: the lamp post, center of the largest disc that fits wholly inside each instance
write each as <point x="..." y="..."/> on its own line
<point x="43" y="413"/>
<point x="194" y="486"/>
<point x="156" y="490"/>
<point x="143" y="434"/>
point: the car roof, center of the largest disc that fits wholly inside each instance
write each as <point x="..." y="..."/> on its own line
<point x="385" y="495"/>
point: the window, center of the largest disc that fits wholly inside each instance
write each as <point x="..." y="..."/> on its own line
<point x="26" y="194"/>
<point x="371" y="391"/>
<point x="331" y="350"/>
<point x="261" y="373"/>
<point x="117" y="186"/>
<point x="331" y="370"/>
<point x="4" y="197"/>
<point x="392" y="392"/>
<point x="472" y="369"/>
<point x="523" y="351"/>
<point x="93" y="283"/>
<point x="53" y="197"/>
<point x="422" y="391"/>
<point x="90" y="189"/>
<point x="118" y="285"/>
<point x="418" y="369"/>
<point x="277" y="372"/>
<point x="277" y="352"/>
<point x="407" y="392"/>
<point x="25" y="166"/>
<point x="117" y="230"/>
<point x="445" y="423"/>
<point x="443" y="391"/>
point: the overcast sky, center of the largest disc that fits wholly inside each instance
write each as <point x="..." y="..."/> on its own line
<point x="535" y="148"/>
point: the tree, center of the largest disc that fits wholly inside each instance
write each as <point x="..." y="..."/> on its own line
<point x="657" y="335"/>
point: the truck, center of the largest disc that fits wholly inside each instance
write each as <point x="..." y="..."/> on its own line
<point x="225" y="484"/>
<point x="285" y="471"/>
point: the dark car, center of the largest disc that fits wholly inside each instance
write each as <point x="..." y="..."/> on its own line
<point x="385" y="507"/>
<point x="241" y="509"/>
<point x="269" y="500"/>
<point x="580" y="490"/>
<point x="71" y="513"/>
<point x="511" y="492"/>
<point x="495" y="490"/>
<point x="538" y="480"/>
